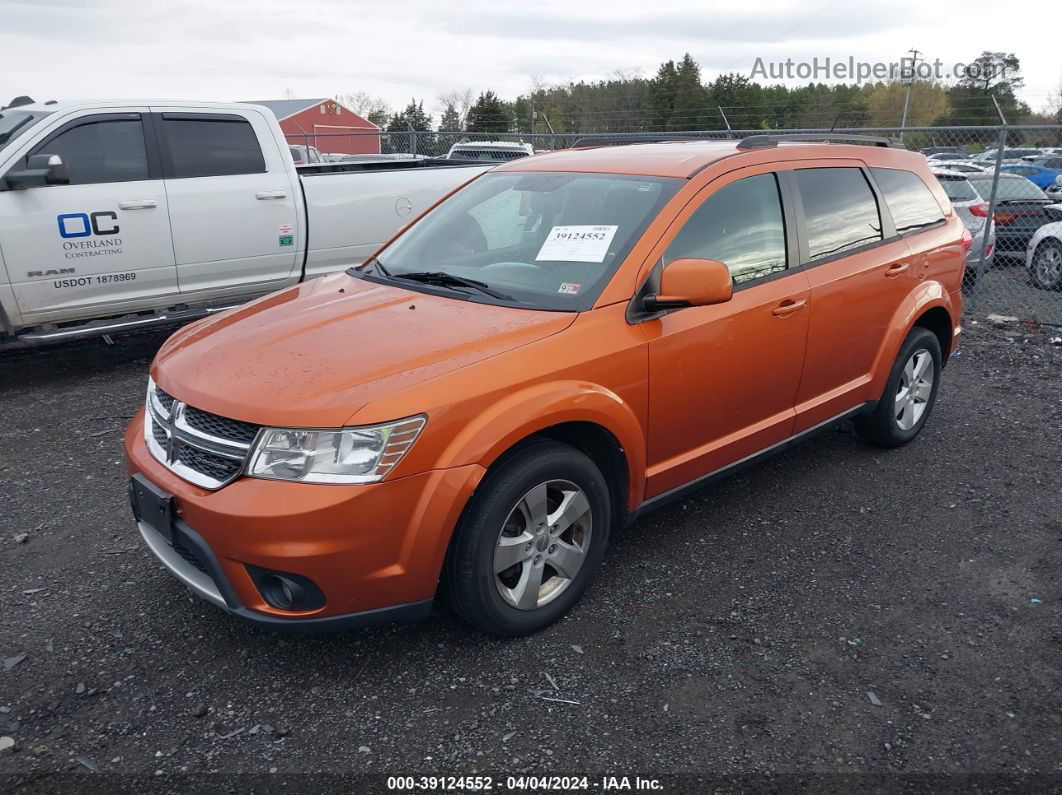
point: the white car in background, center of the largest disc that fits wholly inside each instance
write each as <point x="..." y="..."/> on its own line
<point x="1043" y="257"/>
<point x="972" y="208"/>
<point x="960" y="166"/>
<point x="490" y="151"/>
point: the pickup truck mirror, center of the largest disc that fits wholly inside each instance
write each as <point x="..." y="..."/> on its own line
<point x="691" y="282"/>
<point x="40" y="170"/>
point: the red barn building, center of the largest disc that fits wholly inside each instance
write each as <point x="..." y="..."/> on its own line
<point x="325" y="124"/>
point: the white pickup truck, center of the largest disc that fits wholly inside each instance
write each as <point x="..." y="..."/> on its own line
<point x="118" y="215"/>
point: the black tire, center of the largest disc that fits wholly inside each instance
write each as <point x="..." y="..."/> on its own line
<point x="882" y="426"/>
<point x="1047" y="278"/>
<point x="469" y="578"/>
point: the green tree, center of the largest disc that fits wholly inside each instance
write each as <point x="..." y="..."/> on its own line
<point x="450" y="120"/>
<point x="992" y="75"/>
<point x="412" y="116"/>
<point x="489" y="114"/>
<point x="678" y="99"/>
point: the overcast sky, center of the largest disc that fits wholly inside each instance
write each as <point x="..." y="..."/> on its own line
<point x="255" y="49"/>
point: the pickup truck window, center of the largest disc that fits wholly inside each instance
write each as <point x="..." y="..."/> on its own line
<point x="739" y="225"/>
<point x="209" y="147"/>
<point x="97" y="151"/>
<point x="550" y="240"/>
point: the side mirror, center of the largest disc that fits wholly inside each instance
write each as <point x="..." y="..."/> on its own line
<point x="691" y="282"/>
<point x="40" y="170"/>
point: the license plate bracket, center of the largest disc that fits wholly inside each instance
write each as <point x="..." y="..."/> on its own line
<point x="152" y="506"/>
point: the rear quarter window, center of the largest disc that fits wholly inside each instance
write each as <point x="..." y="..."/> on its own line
<point x="908" y="198"/>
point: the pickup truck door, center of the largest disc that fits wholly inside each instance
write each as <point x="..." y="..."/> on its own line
<point x="234" y="201"/>
<point x="101" y="241"/>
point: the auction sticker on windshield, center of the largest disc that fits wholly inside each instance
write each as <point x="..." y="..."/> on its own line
<point x="577" y="243"/>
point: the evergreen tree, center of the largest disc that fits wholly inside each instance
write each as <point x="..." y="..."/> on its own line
<point x="450" y="121"/>
<point x="489" y="114"/>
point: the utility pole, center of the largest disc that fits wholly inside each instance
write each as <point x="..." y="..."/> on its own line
<point x="910" y="82"/>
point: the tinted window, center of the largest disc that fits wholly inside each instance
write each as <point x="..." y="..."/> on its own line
<point x="101" y="151"/>
<point x="839" y="210"/>
<point x="739" y="225"/>
<point x="211" y="147"/>
<point x="958" y="189"/>
<point x="909" y="200"/>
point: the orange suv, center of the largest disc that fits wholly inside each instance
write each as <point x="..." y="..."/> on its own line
<point x="559" y="345"/>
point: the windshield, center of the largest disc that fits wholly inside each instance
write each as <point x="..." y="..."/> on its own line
<point x="1009" y="187"/>
<point x="14" y="123"/>
<point x="547" y="240"/>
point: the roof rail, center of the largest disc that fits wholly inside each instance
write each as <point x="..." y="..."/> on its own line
<point x="18" y="102"/>
<point x="621" y="140"/>
<point x="764" y="141"/>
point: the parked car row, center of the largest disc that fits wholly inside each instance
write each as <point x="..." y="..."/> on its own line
<point x="1024" y="226"/>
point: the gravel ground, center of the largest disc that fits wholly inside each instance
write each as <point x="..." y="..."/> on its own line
<point x="836" y="610"/>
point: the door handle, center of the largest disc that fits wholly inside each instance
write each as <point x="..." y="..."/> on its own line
<point x="788" y="307"/>
<point x="264" y="195"/>
<point x="896" y="269"/>
<point x="143" y="204"/>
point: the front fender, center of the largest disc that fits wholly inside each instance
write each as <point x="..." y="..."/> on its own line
<point x="535" y="408"/>
<point x="927" y="296"/>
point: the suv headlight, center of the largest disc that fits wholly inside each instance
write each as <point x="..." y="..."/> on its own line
<point x="348" y="455"/>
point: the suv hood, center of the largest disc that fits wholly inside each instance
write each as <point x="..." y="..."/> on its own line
<point x="313" y="355"/>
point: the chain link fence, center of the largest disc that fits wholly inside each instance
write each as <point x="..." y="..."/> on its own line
<point x="1004" y="182"/>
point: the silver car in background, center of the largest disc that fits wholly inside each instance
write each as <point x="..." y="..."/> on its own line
<point x="972" y="208"/>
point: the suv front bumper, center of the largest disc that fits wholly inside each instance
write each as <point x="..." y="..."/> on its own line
<point x="375" y="551"/>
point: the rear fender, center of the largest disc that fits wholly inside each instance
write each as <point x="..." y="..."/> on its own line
<point x="927" y="296"/>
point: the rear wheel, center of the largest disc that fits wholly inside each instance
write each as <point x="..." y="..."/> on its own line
<point x="530" y="540"/>
<point x="1047" y="265"/>
<point x="909" y="393"/>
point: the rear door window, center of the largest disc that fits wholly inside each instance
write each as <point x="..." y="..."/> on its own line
<point x="840" y="211"/>
<point x="909" y="200"/>
<point x="209" y="146"/>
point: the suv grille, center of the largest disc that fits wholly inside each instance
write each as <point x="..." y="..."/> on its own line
<point x="222" y="427"/>
<point x="200" y="447"/>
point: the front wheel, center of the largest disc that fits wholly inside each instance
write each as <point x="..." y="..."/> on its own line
<point x="1047" y="266"/>
<point x="909" y="393"/>
<point x="530" y="540"/>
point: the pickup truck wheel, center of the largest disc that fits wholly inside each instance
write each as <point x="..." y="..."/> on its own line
<point x="530" y="540"/>
<point x="909" y="393"/>
<point x="1047" y="266"/>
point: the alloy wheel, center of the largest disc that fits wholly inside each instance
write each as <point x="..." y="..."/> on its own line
<point x="1048" y="267"/>
<point x="542" y="544"/>
<point x="916" y="386"/>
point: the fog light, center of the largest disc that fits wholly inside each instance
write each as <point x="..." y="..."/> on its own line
<point x="286" y="591"/>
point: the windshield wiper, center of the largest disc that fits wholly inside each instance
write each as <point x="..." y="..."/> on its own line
<point x="444" y="279"/>
<point x="371" y="261"/>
